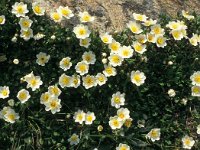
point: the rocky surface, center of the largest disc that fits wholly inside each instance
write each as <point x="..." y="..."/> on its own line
<point x="112" y="15"/>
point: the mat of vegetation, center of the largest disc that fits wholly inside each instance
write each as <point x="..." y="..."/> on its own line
<point x="70" y="87"/>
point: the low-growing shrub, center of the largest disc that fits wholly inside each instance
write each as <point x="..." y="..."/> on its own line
<point x="70" y="87"/>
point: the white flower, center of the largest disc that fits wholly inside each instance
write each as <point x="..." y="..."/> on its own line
<point x="161" y="41"/>
<point x="82" y="68"/>
<point x="141" y="38"/>
<point x="157" y="30"/>
<point x="2" y="19"/>
<point x="89" y="81"/>
<point x="65" y="63"/>
<point x="14" y="39"/>
<point x="44" y="98"/>
<point x="79" y="116"/>
<point x="25" y="23"/>
<point x="196" y="91"/>
<point x="101" y="79"/>
<point x="11" y="103"/>
<point x="194" y="40"/>
<point x="126" y="52"/>
<point x="139" y="48"/>
<point x="123" y="114"/>
<point x="198" y="129"/>
<point x="186" y="15"/>
<point x="176" y="25"/>
<point x="16" y="61"/>
<point x="123" y="147"/>
<point x="85" y="42"/>
<point x="188" y="142"/>
<point x="134" y="27"/>
<point x="109" y="71"/>
<point x="115" y="123"/>
<point x="23" y="95"/>
<point x="138" y="77"/>
<point x="74" y="139"/>
<point x="104" y="61"/>
<point x="4" y="111"/>
<point x="26" y="35"/>
<point x="171" y="93"/>
<point x="75" y="81"/>
<point x="56" y="16"/>
<point x="53" y="104"/>
<point x="65" y="12"/>
<point x="139" y="17"/>
<point x="154" y="134"/>
<point x="114" y="47"/>
<point x="11" y="116"/>
<point x="117" y="100"/>
<point x="85" y="17"/>
<point x="177" y="34"/>
<point x="89" y="57"/>
<point x="4" y="92"/>
<point x="151" y="38"/>
<point x="65" y="81"/>
<point x="33" y="81"/>
<point x="89" y="118"/>
<point x="106" y="38"/>
<point x="38" y="36"/>
<point x="38" y="9"/>
<point x="42" y="58"/>
<point x="81" y="31"/>
<point x="115" y="60"/>
<point x="149" y="22"/>
<point x="19" y="9"/>
<point x="54" y="90"/>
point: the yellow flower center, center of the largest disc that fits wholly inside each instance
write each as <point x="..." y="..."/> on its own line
<point x="121" y="115"/>
<point x="134" y="28"/>
<point x="88" y="58"/>
<point x="109" y="70"/>
<point x="65" y="80"/>
<point x="33" y="82"/>
<point x="125" y="52"/>
<point x="154" y="134"/>
<point x="86" y="18"/>
<point x="160" y="40"/>
<point x="196" y="90"/>
<point x="82" y="67"/>
<point x="157" y="30"/>
<point x="89" y="118"/>
<point x="74" y="138"/>
<point x="56" y="16"/>
<point x="20" y="9"/>
<point x="82" y="31"/>
<point x="4" y="92"/>
<point x="197" y="78"/>
<point x="26" y="24"/>
<point x="187" y="142"/>
<point x="116" y="59"/>
<point x="37" y="9"/>
<point x="53" y="104"/>
<point x="114" y="46"/>
<point x="89" y="81"/>
<point x="105" y="39"/>
<point x="115" y="123"/>
<point x="11" y="117"/>
<point x="123" y="148"/>
<point x="117" y="100"/>
<point x="80" y="117"/>
<point x="101" y="79"/>
<point x="137" y="78"/>
<point x="22" y="95"/>
<point x="138" y="47"/>
<point x="1" y="20"/>
<point x="84" y="42"/>
<point x="65" y="12"/>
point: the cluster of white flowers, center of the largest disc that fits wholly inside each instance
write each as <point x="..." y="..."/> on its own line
<point x="9" y="115"/>
<point x="118" y="54"/>
<point x="195" y="78"/>
<point x="50" y="99"/>
<point x="80" y="117"/>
